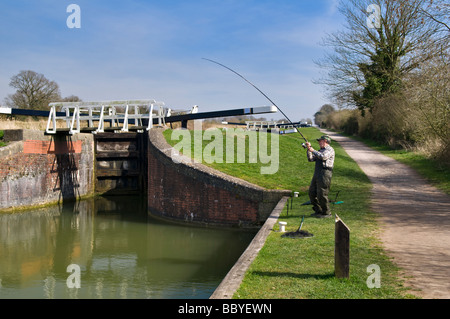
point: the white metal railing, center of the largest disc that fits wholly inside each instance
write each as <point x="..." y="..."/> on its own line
<point x="114" y="112"/>
<point x="255" y="125"/>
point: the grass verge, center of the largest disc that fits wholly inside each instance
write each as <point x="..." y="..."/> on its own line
<point x="287" y="268"/>
<point x="2" y="143"/>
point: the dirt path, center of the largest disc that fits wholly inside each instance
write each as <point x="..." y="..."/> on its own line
<point x="415" y="219"/>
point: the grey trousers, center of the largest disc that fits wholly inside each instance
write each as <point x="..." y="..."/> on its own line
<point x="319" y="189"/>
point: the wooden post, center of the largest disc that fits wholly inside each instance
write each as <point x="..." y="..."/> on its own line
<point x="341" y="249"/>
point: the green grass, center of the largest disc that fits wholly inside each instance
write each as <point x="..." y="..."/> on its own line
<point x="304" y="268"/>
<point x="2" y="143"/>
<point x="288" y="268"/>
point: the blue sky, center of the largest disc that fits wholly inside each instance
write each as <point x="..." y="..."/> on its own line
<point x="153" y="50"/>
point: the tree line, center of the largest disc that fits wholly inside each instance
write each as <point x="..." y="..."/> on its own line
<point x="34" y="91"/>
<point x="390" y="83"/>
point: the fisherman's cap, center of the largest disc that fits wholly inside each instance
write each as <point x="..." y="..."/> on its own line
<point x="326" y="138"/>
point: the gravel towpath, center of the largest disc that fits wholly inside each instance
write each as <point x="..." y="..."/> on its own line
<point x="414" y="216"/>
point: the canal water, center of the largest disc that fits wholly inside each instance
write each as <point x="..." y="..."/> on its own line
<point x="111" y="249"/>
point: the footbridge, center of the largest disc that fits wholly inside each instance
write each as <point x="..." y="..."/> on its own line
<point x="121" y="116"/>
<point x="119" y="151"/>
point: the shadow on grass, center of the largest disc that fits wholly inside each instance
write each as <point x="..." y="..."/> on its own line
<point x="293" y="275"/>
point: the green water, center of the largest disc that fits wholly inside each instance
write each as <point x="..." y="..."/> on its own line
<point x="118" y="250"/>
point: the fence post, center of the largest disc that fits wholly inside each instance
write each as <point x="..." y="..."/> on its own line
<point x="341" y="249"/>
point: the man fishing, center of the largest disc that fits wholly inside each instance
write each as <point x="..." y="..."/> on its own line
<point x="321" y="181"/>
<point x="324" y="158"/>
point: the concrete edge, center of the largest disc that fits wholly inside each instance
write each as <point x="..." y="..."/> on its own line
<point x="232" y="281"/>
<point x="11" y="149"/>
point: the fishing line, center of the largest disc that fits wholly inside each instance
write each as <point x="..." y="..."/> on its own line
<point x="273" y="103"/>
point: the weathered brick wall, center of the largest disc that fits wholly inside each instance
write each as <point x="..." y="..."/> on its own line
<point x="195" y="193"/>
<point x="43" y="169"/>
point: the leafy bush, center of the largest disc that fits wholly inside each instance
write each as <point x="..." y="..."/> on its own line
<point x="1" y="139"/>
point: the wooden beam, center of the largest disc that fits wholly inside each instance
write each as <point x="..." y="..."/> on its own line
<point x="174" y="118"/>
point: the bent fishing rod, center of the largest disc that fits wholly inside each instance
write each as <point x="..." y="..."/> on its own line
<point x="259" y="92"/>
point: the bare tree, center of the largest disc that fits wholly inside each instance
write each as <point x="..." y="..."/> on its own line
<point x="71" y="98"/>
<point x="321" y="116"/>
<point x="366" y="62"/>
<point x="428" y="96"/>
<point x="439" y="11"/>
<point x="34" y="91"/>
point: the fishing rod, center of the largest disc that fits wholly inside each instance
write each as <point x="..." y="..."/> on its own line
<point x="273" y="103"/>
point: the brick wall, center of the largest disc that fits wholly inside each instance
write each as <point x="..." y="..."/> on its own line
<point x="195" y="193"/>
<point x="52" y="147"/>
<point x="45" y="170"/>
